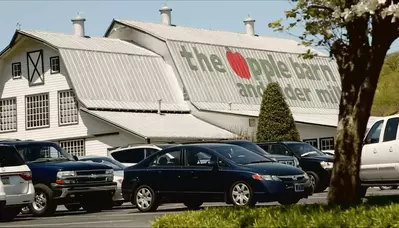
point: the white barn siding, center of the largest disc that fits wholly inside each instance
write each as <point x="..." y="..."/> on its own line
<point x="87" y="125"/>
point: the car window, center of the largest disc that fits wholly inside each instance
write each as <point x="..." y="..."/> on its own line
<point x="129" y="156"/>
<point x="391" y="129"/>
<point x="251" y="146"/>
<point x="42" y="153"/>
<point x="172" y="158"/>
<point x="194" y="157"/>
<point x="374" y="134"/>
<point x="238" y="154"/>
<point x="304" y="149"/>
<point x="10" y="157"/>
<point x="280" y="150"/>
<point x="150" y="151"/>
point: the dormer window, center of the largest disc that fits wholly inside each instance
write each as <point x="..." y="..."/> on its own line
<point x="55" y="65"/>
<point x="16" y="70"/>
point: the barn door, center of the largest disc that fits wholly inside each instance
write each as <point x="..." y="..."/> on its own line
<point x="35" y="67"/>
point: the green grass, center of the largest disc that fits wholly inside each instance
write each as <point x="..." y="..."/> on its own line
<point x="376" y="212"/>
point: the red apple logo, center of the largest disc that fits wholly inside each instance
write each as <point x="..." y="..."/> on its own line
<point x="238" y="64"/>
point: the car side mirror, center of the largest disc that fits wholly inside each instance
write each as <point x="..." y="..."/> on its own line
<point x="75" y="157"/>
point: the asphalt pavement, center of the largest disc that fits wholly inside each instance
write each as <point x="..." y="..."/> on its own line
<point x="127" y="216"/>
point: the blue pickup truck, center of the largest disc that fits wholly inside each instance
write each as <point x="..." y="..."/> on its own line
<point x="59" y="179"/>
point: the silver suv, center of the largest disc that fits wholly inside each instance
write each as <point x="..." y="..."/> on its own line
<point x="16" y="187"/>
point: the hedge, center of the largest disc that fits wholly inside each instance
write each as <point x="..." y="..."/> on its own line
<point x="370" y="214"/>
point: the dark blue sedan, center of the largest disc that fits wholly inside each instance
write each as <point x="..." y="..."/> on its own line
<point x="196" y="173"/>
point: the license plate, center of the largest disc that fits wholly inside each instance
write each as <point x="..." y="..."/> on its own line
<point x="299" y="187"/>
<point x="5" y="180"/>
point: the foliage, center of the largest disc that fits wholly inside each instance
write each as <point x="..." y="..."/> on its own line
<point x="374" y="213"/>
<point x="275" y="117"/>
<point x="386" y="99"/>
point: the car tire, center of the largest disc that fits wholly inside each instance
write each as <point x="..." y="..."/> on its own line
<point x="238" y="191"/>
<point x="315" y="181"/>
<point x="289" y="200"/>
<point x="193" y="204"/>
<point x="145" y="199"/>
<point x="73" y="207"/>
<point x="43" y="203"/>
<point x="9" y="214"/>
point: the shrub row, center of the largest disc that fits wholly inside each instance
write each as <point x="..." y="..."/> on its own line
<point x="316" y="215"/>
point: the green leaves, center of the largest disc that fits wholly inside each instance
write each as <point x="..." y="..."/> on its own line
<point x="275" y="117"/>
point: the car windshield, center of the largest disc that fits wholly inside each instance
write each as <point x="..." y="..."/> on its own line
<point x="115" y="165"/>
<point x="251" y="146"/>
<point x="43" y="153"/>
<point x="239" y="154"/>
<point x="304" y="149"/>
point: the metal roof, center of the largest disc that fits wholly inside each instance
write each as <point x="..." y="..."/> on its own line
<point x="173" y="126"/>
<point x="216" y="37"/>
<point x="114" y="74"/>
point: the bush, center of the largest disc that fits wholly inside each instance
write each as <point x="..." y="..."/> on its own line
<point x="275" y="117"/>
<point x="366" y="215"/>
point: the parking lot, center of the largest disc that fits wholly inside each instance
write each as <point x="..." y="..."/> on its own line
<point x="127" y="216"/>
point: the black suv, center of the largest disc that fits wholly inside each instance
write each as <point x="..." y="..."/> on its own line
<point x="314" y="162"/>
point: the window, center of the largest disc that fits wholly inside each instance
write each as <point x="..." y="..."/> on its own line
<point x="9" y="156"/>
<point x="54" y="65"/>
<point x="16" y="70"/>
<point x="327" y="143"/>
<point x="129" y="156"/>
<point x="67" y="108"/>
<point x="8" y="114"/>
<point x="373" y="135"/>
<point x="312" y="142"/>
<point x="168" y="159"/>
<point x="279" y="149"/>
<point x="199" y="158"/>
<point x="74" y="147"/>
<point x="150" y="151"/>
<point x="391" y="129"/>
<point x="37" y="111"/>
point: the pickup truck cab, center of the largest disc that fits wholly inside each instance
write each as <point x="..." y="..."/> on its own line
<point x="380" y="154"/>
<point x="59" y="179"/>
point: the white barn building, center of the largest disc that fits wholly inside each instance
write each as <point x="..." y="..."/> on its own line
<point x="223" y="74"/>
<point x="91" y="94"/>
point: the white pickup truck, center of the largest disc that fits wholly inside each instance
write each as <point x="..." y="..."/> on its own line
<point x="380" y="154"/>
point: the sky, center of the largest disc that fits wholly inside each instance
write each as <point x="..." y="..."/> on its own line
<point x="55" y="15"/>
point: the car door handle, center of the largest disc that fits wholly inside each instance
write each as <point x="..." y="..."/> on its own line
<point x="375" y="151"/>
<point x="390" y="149"/>
<point x="193" y="173"/>
<point x="159" y="171"/>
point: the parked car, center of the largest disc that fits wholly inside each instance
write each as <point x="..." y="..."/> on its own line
<point x="328" y="152"/>
<point x="59" y="179"/>
<point x="16" y="187"/>
<point x="227" y="173"/>
<point x="118" y="174"/>
<point x="288" y="160"/>
<point x="380" y="153"/>
<point x="133" y="154"/>
<point x="314" y="162"/>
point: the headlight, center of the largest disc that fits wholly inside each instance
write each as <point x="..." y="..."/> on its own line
<point x="109" y="171"/>
<point x="65" y="174"/>
<point x="266" y="177"/>
<point x="326" y="165"/>
<point x="296" y="162"/>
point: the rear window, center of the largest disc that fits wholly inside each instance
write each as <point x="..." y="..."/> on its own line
<point x="10" y="157"/>
<point x="129" y="156"/>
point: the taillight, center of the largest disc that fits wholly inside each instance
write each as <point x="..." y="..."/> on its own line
<point x="26" y="176"/>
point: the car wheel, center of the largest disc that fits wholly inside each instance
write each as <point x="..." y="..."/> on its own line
<point x="241" y="194"/>
<point x="73" y="207"/>
<point x="315" y="182"/>
<point x="193" y="204"/>
<point x="289" y="200"/>
<point x="145" y="199"/>
<point x="43" y="204"/>
<point x="9" y="214"/>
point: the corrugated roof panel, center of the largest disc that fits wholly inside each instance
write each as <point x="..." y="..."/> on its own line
<point x="101" y="44"/>
<point x="153" y="125"/>
<point x="232" y="39"/>
<point x="210" y="79"/>
<point x="121" y="81"/>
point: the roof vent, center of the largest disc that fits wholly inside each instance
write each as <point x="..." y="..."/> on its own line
<point x="250" y="26"/>
<point x="166" y="15"/>
<point x="78" y="26"/>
